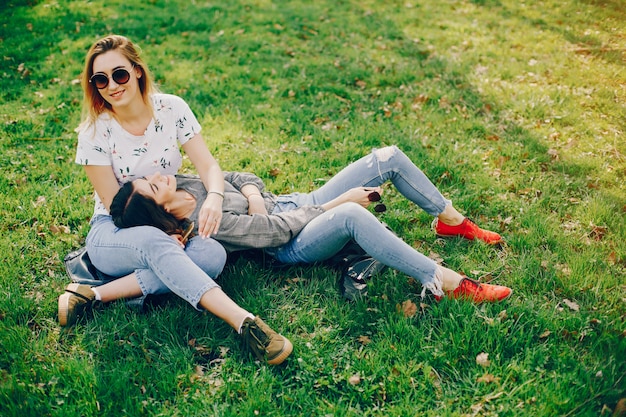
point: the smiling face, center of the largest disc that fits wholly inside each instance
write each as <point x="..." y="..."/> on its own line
<point x="118" y="95"/>
<point x="160" y="188"/>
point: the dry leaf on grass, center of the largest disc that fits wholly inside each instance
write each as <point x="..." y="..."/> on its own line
<point x="408" y="308"/>
<point x="354" y="380"/>
<point x="571" y="304"/>
<point x="436" y="257"/>
<point x="59" y="229"/>
<point x="41" y="200"/>
<point x="488" y="378"/>
<point x="483" y="359"/>
<point x="364" y="340"/>
<point x="274" y="172"/>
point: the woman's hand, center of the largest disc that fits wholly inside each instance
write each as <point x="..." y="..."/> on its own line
<point x="359" y="195"/>
<point x="210" y="215"/>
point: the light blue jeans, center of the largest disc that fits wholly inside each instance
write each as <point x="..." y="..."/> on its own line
<point x="160" y="264"/>
<point x="327" y="234"/>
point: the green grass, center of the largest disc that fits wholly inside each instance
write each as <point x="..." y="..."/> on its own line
<point x="516" y="110"/>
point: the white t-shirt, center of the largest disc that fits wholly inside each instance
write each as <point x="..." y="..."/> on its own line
<point x="130" y="156"/>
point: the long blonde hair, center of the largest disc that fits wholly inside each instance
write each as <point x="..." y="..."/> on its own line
<point x="93" y="103"/>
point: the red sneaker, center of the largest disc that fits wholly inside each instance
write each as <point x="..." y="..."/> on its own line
<point x="468" y="230"/>
<point x="477" y="292"/>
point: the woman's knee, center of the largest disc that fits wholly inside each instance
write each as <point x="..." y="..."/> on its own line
<point x="208" y="254"/>
<point x="352" y="213"/>
<point x="386" y="153"/>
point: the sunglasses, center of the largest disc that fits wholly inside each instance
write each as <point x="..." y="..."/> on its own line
<point x="187" y="233"/>
<point x="100" y="80"/>
<point x="375" y="196"/>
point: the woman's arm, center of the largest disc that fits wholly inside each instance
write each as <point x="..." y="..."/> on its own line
<point x="240" y="179"/>
<point x="265" y="231"/>
<point x="210" y="173"/>
<point x="104" y="182"/>
<point x="359" y="195"/>
<point x="256" y="203"/>
<point x="251" y="187"/>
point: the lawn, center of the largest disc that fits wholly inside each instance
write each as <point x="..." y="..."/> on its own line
<point x="516" y="110"/>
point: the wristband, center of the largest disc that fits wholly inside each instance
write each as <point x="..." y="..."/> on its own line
<point x="217" y="192"/>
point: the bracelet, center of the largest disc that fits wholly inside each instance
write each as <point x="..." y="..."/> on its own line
<point x="217" y="192"/>
<point x="253" y="194"/>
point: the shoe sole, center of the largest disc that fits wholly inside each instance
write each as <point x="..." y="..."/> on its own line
<point x="469" y="299"/>
<point x="64" y="304"/>
<point x="494" y="301"/>
<point x="497" y="242"/>
<point x="284" y="354"/>
<point x="64" y="307"/>
<point x="433" y="227"/>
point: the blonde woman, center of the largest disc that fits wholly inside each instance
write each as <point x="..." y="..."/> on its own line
<point x="131" y="130"/>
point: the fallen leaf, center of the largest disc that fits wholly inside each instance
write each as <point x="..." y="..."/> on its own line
<point x="40" y="201"/>
<point x="59" y="229"/>
<point x="436" y="257"/>
<point x="422" y="98"/>
<point x="620" y="408"/>
<point x="488" y="378"/>
<point x="364" y="340"/>
<point x="483" y="359"/>
<point x="274" y="172"/>
<point x="571" y="304"/>
<point x="408" y="308"/>
<point x="598" y="232"/>
<point x="354" y="380"/>
<point x="545" y="334"/>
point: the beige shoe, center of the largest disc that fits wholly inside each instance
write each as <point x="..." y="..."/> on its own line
<point x="73" y="302"/>
<point x="264" y="342"/>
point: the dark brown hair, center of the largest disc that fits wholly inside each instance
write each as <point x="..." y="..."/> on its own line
<point x="130" y="208"/>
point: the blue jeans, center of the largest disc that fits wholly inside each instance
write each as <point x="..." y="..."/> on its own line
<point x="327" y="234"/>
<point x="160" y="264"/>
